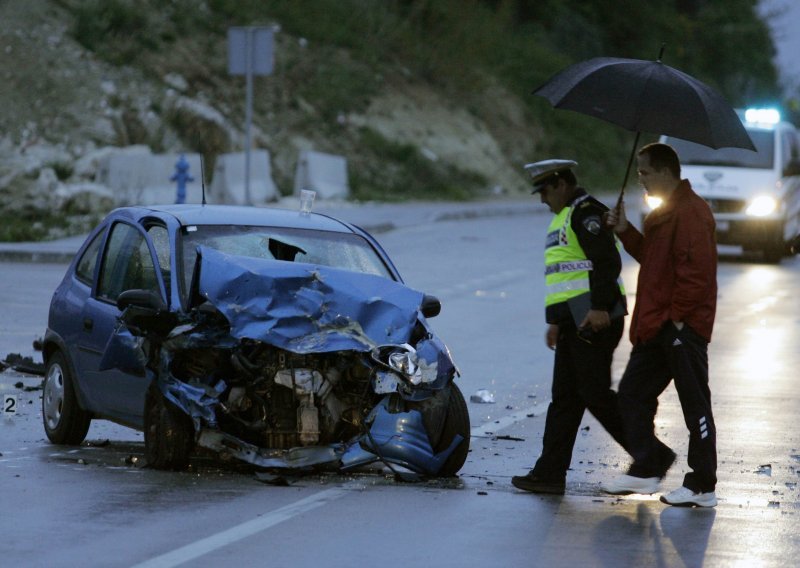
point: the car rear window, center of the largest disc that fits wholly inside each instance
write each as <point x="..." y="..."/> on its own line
<point x="339" y="250"/>
<point x="85" y="268"/>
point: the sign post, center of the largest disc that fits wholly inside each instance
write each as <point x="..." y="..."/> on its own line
<point x="250" y="52"/>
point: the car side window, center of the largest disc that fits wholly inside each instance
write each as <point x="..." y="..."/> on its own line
<point x="127" y="264"/>
<point x="160" y="238"/>
<point x="85" y="268"/>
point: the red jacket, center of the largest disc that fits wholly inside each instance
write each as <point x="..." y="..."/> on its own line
<point x="678" y="272"/>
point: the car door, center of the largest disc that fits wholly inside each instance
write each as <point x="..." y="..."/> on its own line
<point x="66" y="310"/>
<point x="127" y="263"/>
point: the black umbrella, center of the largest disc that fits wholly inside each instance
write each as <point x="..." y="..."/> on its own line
<point x="647" y="96"/>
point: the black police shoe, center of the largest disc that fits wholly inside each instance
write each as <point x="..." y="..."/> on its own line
<point x="536" y="484"/>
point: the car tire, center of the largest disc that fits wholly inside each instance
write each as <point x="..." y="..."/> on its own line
<point x="65" y="422"/>
<point x="456" y="422"/>
<point x="168" y="432"/>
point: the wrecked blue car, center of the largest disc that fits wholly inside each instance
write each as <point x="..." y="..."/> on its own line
<point x="284" y="340"/>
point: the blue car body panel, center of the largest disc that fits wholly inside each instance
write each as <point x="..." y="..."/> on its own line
<point x="305" y="308"/>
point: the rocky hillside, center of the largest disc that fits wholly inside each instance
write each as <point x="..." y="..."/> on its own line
<point x="426" y="99"/>
<point x="62" y="106"/>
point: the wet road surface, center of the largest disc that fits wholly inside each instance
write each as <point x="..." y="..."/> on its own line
<point x="98" y="506"/>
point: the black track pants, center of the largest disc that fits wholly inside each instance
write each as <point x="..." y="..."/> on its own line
<point x="682" y="356"/>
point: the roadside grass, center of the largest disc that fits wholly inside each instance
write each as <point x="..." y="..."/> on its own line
<point x="22" y="228"/>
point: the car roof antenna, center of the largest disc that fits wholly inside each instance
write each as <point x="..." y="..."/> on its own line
<point x="203" y="179"/>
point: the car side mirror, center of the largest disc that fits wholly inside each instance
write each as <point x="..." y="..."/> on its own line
<point x="431" y="306"/>
<point x="147" y="299"/>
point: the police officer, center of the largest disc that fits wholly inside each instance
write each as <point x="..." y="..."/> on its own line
<point x="584" y="308"/>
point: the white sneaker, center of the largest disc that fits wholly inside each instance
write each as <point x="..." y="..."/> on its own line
<point x="685" y="497"/>
<point x="627" y="484"/>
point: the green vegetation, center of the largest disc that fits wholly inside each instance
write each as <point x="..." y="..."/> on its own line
<point x="400" y="171"/>
<point x="34" y="226"/>
<point x="455" y="45"/>
<point x="63" y="170"/>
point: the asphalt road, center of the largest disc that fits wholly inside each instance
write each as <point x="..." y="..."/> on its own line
<point x="96" y="505"/>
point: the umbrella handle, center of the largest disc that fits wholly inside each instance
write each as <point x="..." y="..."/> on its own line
<point x="628" y="169"/>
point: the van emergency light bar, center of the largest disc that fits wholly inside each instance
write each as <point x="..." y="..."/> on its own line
<point x="762" y="116"/>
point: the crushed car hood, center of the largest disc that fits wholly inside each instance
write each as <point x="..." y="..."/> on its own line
<point x="306" y="308"/>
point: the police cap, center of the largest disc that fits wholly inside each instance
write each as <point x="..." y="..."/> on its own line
<point x="542" y="172"/>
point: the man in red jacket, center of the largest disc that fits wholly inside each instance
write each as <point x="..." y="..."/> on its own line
<point x="676" y="298"/>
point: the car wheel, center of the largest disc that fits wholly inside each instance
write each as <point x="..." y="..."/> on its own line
<point x="168" y="432"/>
<point x="456" y="422"/>
<point x="65" y="422"/>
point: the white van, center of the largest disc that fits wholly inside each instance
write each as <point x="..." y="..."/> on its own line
<point x="755" y="196"/>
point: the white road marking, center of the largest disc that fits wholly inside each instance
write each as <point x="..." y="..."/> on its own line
<point x="244" y="530"/>
<point x="489" y="429"/>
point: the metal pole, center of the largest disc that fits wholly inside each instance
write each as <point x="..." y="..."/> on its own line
<point x="628" y="170"/>
<point x="248" y="113"/>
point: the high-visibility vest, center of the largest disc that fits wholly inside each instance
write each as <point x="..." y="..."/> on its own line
<point x="566" y="268"/>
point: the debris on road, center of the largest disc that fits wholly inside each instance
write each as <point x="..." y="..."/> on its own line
<point x="21" y="386"/>
<point x="272" y="479"/>
<point x="22" y="364"/>
<point x="765" y="469"/>
<point x="482" y="396"/>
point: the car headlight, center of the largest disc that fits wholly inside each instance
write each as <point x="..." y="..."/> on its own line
<point x="761" y="206"/>
<point x="652" y="201"/>
<point x="405" y="363"/>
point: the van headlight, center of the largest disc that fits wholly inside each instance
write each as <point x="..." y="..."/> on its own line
<point x="652" y="201"/>
<point x="761" y="206"/>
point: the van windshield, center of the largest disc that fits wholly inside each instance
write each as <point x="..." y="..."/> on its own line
<point x="692" y="154"/>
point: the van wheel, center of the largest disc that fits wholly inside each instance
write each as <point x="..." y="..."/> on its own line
<point x="65" y="422"/>
<point x="168" y="432"/>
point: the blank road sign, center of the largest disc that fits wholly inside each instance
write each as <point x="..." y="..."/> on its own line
<point x="261" y="50"/>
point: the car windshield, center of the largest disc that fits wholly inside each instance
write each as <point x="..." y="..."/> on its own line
<point x="339" y="250"/>
<point x="692" y="154"/>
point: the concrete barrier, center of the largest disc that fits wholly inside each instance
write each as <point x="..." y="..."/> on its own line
<point x="228" y="184"/>
<point x="142" y="178"/>
<point x="324" y="173"/>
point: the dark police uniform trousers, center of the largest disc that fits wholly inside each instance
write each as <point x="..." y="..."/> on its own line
<point x="581" y="381"/>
